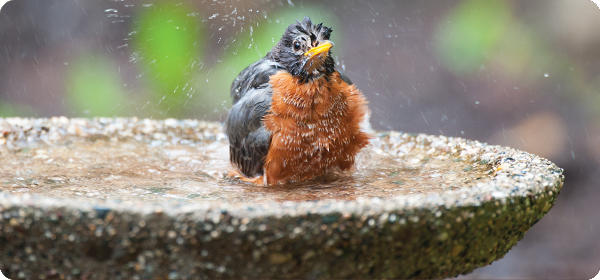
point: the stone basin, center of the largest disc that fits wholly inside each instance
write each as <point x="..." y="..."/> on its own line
<point x="116" y="198"/>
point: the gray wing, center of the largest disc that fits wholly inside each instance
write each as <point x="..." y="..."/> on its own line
<point x="255" y="76"/>
<point x="249" y="140"/>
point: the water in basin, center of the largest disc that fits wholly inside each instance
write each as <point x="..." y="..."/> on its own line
<point x="129" y="169"/>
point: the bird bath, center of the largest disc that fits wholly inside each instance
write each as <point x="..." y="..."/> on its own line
<point x="127" y="198"/>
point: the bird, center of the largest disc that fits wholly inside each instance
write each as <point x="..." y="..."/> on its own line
<point x="294" y="116"/>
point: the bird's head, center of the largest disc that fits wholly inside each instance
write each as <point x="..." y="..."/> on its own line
<point x="304" y="50"/>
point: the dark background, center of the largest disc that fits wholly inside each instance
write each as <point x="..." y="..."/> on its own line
<point x="524" y="74"/>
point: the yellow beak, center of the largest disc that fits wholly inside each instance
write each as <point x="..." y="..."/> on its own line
<point x="323" y="47"/>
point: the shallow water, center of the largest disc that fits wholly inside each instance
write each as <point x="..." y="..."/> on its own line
<point x="104" y="167"/>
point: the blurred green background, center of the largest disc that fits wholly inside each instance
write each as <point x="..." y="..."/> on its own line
<point x="525" y="74"/>
<point x="167" y="42"/>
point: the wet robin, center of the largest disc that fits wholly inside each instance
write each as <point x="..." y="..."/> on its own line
<point x="294" y="116"/>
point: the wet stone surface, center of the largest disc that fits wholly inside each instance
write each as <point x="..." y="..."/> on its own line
<point x="101" y="167"/>
<point x="131" y="198"/>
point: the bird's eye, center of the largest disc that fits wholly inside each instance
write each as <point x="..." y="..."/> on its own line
<point x="296" y="45"/>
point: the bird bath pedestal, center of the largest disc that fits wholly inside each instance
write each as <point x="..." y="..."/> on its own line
<point x="142" y="199"/>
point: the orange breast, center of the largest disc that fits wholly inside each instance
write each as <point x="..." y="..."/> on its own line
<point x="314" y="126"/>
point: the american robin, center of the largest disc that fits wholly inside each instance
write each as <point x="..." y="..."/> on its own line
<point x="294" y="116"/>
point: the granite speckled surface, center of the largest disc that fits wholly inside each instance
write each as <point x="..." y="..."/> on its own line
<point x="429" y="235"/>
